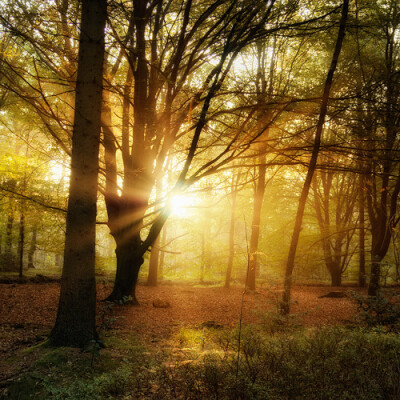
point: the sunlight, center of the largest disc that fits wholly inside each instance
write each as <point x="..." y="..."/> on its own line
<point x="58" y="172"/>
<point x="181" y="205"/>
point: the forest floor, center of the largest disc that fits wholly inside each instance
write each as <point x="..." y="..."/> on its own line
<point x="28" y="311"/>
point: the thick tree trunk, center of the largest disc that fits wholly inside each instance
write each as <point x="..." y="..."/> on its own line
<point x="76" y="317"/>
<point x="374" y="283"/>
<point x="285" y="305"/>
<point x="129" y="261"/>
<point x="130" y="251"/>
<point x="336" y="275"/>
<point x="125" y="216"/>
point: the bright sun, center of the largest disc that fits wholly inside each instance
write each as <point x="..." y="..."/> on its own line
<point x="181" y="204"/>
<point x="58" y="171"/>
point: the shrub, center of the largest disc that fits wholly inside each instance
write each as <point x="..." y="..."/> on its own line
<point x="378" y="311"/>
<point x="326" y="363"/>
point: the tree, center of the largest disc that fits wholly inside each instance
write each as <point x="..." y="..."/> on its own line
<point x="334" y="202"/>
<point x="171" y="74"/>
<point x="233" y="194"/>
<point x="361" y="210"/>
<point x="168" y="86"/>
<point x="376" y="125"/>
<point x="263" y="96"/>
<point x="383" y="182"/>
<point x="285" y="306"/>
<point x="76" y="323"/>
<point x="152" y="279"/>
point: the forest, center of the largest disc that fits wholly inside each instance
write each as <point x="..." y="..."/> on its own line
<point x="200" y="199"/>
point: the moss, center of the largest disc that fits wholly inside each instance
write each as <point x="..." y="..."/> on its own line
<point x="53" y="357"/>
<point x="32" y="349"/>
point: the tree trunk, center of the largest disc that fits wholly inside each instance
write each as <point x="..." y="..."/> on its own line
<point x="130" y="251"/>
<point x="58" y="260"/>
<point x="228" y="275"/>
<point x="130" y="248"/>
<point x="76" y="317"/>
<point x="262" y="97"/>
<point x="129" y="262"/>
<point x="32" y="248"/>
<point x="336" y="275"/>
<point x="203" y="255"/>
<point x="361" y="204"/>
<point x="285" y="305"/>
<point x="10" y="224"/>
<point x="125" y="213"/>
<point x="162" y="255"/>
<point x="21" y="241"/>
<point x="152" y="279"/>
<point x="255" y="226"/>
<point x="374" y="283"/>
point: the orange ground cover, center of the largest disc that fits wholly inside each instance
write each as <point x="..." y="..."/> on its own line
<point x="28" y="311"/>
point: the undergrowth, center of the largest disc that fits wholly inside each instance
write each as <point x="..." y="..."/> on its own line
<point x="380" y="311"/>
<point x="325" y="363"/>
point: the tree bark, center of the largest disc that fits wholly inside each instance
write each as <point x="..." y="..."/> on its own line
<point x="285" y="305"/>
<point x="125" y="219"/>
<point x="130" y="252"/>
<point x="76" y="317"/>
<point x="336" y="276"/>
<point x="374" y="284"/>
<point x="129" y="261"/>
